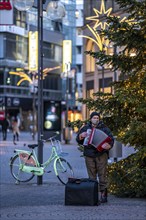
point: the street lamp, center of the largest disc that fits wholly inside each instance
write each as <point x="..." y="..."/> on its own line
<point x="56" y="11"/>
<point x="23" y="5"/>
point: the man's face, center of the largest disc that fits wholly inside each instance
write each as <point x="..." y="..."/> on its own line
<point x="95" y="120"/>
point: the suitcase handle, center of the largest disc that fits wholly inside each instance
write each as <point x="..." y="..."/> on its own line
<point x="74" y="180"/>
<point x="78" y="181"/>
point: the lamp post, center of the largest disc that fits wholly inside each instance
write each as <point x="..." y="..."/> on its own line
<point x="40" y="85"/>
<point x="33" y="90"/>
<point x="67" y="90"/>
<point x="56" y="11"/>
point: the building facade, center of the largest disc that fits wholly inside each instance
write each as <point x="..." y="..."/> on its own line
<point x="18" y="95"/>
<point x="97" y="78"/>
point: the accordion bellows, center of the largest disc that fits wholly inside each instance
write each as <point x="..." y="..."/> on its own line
<point x="98" y="138"/>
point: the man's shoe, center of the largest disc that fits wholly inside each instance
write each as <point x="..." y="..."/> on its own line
<point x="103" y="198"/>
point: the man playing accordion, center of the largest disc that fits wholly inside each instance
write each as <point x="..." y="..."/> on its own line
<point x="96" y="155"/>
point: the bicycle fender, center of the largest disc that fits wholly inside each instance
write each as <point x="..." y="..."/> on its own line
<point x="17" y="151"/>
<point x="55" y="161"/>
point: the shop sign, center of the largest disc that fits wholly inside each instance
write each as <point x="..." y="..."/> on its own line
<point x="33" y="51"/>
<point x="16" y="101"/>
<point x="2" y="115"/>
<point x="5" y="5"/>
<point x="67" y="55"/>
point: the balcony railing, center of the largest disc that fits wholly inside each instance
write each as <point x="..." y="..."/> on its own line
<point x="24" y="92"/>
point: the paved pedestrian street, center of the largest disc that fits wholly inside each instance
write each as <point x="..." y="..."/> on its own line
<point x="27" y="201"/>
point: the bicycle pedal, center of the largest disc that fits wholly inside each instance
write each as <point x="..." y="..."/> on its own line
<point x="49" y="171"/>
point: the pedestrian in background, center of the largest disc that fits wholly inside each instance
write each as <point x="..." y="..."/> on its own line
<point x="15" y="130"/>
<point x="5" y="126"/>
<point x="96" y="162"/>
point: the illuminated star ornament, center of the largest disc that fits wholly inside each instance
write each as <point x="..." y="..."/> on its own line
<point x="97" y="39"/>
<point x="99" y="14"/>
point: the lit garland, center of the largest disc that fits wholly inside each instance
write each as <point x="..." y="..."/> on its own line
<point x="25" y="77"/>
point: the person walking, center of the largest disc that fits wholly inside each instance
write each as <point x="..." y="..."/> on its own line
<point x="96" y="161"/>
<point x="5" y="126"/>
<point x="15" y="130"/>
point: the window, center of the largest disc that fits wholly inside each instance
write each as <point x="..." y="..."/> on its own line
<point x="107" y="86"/>
<point x="79" y="31"/>
<point x="58" y="53"/>
<point x="90" y="89"/>
<point x="52" y="82"/>
<point x="1" y="78"/>
<point x="78" y="49"/>
<point x="52" y="51"/>
<point x="79" y="68"/>
<point x="48" y="50"/>
<point x="18" y="45"/>
<point x="90" y="61"/>
<point x="20" y="18"/>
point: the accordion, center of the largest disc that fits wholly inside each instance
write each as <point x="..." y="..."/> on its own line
<point x="98" y="138"/>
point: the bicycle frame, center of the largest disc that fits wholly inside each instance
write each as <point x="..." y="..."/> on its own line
<point x="53" y="157"/>
<point x="24" y="165"/>
<point x="31" y="165"/>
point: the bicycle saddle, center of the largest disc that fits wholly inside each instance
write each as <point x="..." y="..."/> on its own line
<point x="32" y="145"/>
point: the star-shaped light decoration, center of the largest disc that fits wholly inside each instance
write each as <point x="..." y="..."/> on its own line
<point x="100" y="41"/>
<point x="98" y="15"/>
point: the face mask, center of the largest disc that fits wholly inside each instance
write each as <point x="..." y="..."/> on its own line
<point x="94" y="121"/>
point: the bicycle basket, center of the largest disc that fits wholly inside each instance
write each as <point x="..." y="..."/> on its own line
<point x="59" y="149"/>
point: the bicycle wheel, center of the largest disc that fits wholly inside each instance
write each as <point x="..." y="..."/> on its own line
<point x="63" y="170"/>
<point x="16" y="164"/>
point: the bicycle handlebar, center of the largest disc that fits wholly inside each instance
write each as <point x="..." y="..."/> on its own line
<point x="52" y="138"/>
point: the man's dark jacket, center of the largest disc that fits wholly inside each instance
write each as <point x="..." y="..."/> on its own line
<point x="89" y="150"/>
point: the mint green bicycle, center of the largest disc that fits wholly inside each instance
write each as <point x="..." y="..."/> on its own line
<point x="24" y="164"/>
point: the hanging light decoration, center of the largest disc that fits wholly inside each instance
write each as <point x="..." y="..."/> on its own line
<point x="23" y="5"/>
<point x="55" y="10"/>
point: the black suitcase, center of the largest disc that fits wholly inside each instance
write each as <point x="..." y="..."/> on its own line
<point x="81" y="192"/>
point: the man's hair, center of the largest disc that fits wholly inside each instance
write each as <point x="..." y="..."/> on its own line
<point x="93" y="114"/>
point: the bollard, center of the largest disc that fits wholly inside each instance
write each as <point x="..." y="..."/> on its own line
<point x="67" y="134"/>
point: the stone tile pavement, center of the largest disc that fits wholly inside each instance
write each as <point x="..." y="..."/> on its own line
<point x="46" y="202"/>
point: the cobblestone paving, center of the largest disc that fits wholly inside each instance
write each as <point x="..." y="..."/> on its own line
<point x="29" y="201"/>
